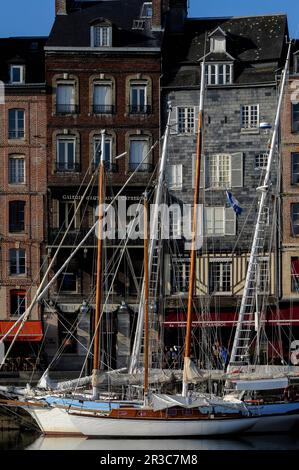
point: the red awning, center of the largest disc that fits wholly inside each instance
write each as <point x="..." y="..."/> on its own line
<point x="31" y="331"/>
<point x="284" y="317"/>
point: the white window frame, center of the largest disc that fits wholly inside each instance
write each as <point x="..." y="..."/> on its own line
<point x="211" y="218"/>
<point x="66" y="139"/>
<point x="144" y="161"/>
<point x="176" y="222"/>
<point x="176" y="177"/>
<point x="186" y="119"/>
<point x="108" y="85"/>
<point x="144" y="10"/>
<point x="293" y="166"/>
<point x="104" y="40"/>
<point x="22" y="74"/>
<point x="96" y="141"/>
<point x="217" y="166"/>
<point x="18" y="180"/>
<point x="293" y="225"/>
<point x="248" y="113"/>
<point x="221" y="262"/>
<point x="261" y="161"/>
<point x="182" y="268"/>
<point x="212" y="70"/>
<point x="18" y="263"/>
<point x="139" y="86"/>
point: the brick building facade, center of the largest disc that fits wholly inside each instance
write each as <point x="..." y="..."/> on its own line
<point x="23" y="183"/>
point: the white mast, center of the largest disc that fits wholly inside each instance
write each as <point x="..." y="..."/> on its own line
<point x="240" y="350"/>
<point x="152" y="246"/>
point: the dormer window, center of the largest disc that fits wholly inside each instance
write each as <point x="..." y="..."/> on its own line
<point x="218" y="44"/>
<point x="219" y="74"/>
<point x="17" y="74"/>
<point x="101" y="35"/>
<point x="147" y="10"/>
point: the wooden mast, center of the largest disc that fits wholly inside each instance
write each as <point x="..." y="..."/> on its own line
<point x="146" y="298"/>
<point x="97" y="320"/>
<point x="194" y="233"/>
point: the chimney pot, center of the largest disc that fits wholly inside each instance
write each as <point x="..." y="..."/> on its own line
<point x="60" y="7"/>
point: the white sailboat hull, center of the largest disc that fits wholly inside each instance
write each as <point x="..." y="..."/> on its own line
<point x="111" y="427"/>
<point x="53" y="421"/>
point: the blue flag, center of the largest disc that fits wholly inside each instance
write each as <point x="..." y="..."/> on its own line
<point x="234" y="203"/>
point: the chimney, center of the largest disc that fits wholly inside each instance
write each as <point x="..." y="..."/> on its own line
<point x="60" y="7"/>
<point x="157" y="15"/>
<point x="178" y="12"/>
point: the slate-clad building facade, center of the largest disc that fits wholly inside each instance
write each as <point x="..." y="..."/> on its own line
<point x="242" y="57"/>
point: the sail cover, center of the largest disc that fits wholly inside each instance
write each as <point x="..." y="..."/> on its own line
<point x="269" y="384"/>
<point x="162" y="402"/>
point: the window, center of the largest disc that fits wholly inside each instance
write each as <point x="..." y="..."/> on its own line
<point x="16" y="170"/>
<point x="186" y="120"/>
<point x="67" y="282"/>
<point x="147" y="10"/>
<point x="263" y="275"/>
<point x="175" y="177"/>
<point x="180" y="275"/>
<point x="295" y="117"/>
<point x="139" y="150"/>
<point x="102" y="36"/>
<point x="65" y="99"/>
<point x="261" y="161"/>
<point x="250" y="116"/>
<point x="218" y="44"/>
<point x="138" y="99"/>
<point x="17" y="302"/>
<point x="107" y="152"/>
<point x="17" y="74"/>
<point x="66" y="154"/>
<point x="296" y="64"/>
<point x="295" y="168"/>
<point x="219" y="221"/>
<point x="219" y="74"/>
<point x="102" y="98"/>
<point x="295" y="220"/>
<point x="66" y="214"/>
<point x="16" y="124"/>
<point x="220" y="171"/>
<point x="16" y="216"/>
<point x="295" y="274"/>
<point x="220" y="274"/>
<point x="176" y="222"/>
<point x="17" y="262"/>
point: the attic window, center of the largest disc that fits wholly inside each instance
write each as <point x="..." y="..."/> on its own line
<point x="17" y="74"/>
<point x="101" y="36"/>
<point x="147" y="10"/>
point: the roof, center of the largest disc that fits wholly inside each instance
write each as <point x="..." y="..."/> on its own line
<point x="252" y="40"/>
<point x="73" y="29"/>
<point x="28" y="51"/>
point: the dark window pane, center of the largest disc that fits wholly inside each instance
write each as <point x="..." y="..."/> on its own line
<point x="295" y="117"/>
<point x="16" y="216"/>
<point x="17" y="302"/>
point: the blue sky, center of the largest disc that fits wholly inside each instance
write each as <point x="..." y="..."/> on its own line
<point x="34" y="17"/>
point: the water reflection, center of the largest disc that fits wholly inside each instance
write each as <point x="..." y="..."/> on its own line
<point x="261" y="442"/>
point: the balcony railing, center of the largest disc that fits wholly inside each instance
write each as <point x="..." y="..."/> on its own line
<point x="140" y="109"/>
<point x="109" y="167"/>
<point x="67" y="108"/>
<point x="70" y="167"/>
<point x="19" y="134"/>
<point x="103" y="109"/>
<point x="142" y="168"/>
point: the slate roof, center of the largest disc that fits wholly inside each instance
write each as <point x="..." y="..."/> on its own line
<point x="73" y="29"/>
<point x="23" y="50"/>
<point x="256" y="42"/>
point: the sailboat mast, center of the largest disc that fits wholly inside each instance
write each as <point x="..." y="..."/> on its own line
<point x="146" y="298"/>
<point x="240" y="353"/>
<point x="194" y="233"/>
<point x="97" y="328"/>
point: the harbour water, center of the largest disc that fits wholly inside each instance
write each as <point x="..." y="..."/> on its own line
<point x="28" y="440"/>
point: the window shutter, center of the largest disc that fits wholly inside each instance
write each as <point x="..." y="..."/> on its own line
<point x="55" y="214"/>
<point x="237" y="170"/>
<point x="230" y="221"/>
<point x="174" y="120"/>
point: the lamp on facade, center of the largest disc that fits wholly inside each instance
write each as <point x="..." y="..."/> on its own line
<point x="84" y="307"/>
<point x="123" y="308"/>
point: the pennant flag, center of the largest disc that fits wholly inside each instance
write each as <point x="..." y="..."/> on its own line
<point x="234" y="203"/>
